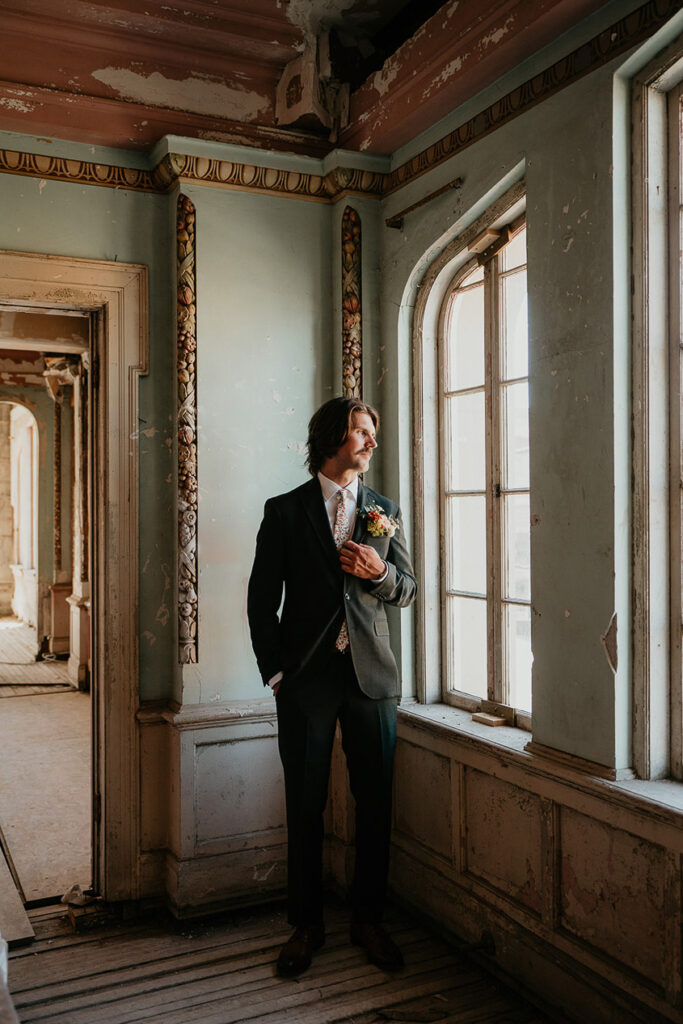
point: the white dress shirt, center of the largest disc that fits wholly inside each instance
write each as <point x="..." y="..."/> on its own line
<point x="330" y="490"/>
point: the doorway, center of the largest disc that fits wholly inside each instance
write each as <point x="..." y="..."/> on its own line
<point x="45" y="706"/>
<point x="112" y="298"/>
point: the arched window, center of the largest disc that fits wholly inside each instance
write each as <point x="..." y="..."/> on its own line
<point x="484" y="427"/>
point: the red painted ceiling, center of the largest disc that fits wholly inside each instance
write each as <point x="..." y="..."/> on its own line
<point x="126" y="72"/>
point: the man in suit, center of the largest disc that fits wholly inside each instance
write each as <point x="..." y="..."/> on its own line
<point x="338" y="550"/>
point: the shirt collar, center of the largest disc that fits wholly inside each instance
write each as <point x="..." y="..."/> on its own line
<point x="330" y="488"/>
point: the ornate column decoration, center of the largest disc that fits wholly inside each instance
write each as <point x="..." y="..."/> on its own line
<point x="59" y="373"/>
<point x="187" y="434"/>
<point x="57" y="511"/>
<point x="352" y="325"/>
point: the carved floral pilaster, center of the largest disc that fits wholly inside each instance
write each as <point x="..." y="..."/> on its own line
<point x="57" y="500"/>
<point x="187" y="434"/>
<point x="352" y="324"/>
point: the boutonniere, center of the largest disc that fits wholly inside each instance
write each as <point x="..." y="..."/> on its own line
<point x="378" y="523"/>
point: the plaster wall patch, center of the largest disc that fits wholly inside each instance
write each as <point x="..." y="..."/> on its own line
<point x="308" y="15"/>
<point x="193" y="94"/>
<point x="382" y="80"/>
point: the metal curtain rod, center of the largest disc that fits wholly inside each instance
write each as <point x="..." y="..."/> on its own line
<point x="397" y="220"/>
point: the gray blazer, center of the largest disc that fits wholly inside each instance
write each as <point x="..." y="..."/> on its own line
<point x="295" y="551"/>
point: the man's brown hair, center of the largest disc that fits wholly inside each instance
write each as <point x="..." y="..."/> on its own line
<point x="330" y="426"/>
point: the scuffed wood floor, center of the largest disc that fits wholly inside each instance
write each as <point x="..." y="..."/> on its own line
<point x="222" y="971"/>
<point x="20" y="673"/>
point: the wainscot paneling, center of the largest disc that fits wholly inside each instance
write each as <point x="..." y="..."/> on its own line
<point x="220" y="815"/>
<point x="419" y="814"/>
<point x="503" y="838"/>
<point x="576" y="881"/>
<point x="613" y="892"/>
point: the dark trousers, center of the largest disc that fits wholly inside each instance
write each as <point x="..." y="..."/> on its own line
<point x="308" y="710"/>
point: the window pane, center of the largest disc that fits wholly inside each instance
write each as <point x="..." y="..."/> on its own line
<point x="465" y="355"/>
<point x="518" y="655"/>
<point x="515" y="328"/>
<point x="514" y="254"/>
<point x="516" y="554"/>
<point x="516" y="435"/>
<point x="466" y="632"/>
<point x="465" y="435"/>
<point x="466" y="545"/>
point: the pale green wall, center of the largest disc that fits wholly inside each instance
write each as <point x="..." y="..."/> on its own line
<point x="102" y="223"/>
<point x="264" y="289"/>
<point x="264" y="324"/>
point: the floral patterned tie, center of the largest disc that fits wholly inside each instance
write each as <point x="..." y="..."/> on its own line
<point x="341" y="533"/>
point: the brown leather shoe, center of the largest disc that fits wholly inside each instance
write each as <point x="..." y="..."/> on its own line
<point x="381" y="950"/>
<point x="296" y="954"/>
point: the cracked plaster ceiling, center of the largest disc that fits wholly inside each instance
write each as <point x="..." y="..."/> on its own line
<point x="127" y="72"/>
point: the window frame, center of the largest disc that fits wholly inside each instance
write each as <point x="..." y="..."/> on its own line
<point x="502" y="204"/>
<point x="657" y="392"/>
<point x="497" y="700"/>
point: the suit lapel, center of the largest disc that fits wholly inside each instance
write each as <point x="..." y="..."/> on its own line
<point x="312" y="499"/>
<point x="359" y="528"/>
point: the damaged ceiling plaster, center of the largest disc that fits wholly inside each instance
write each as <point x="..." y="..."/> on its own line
<point x="293" y="75"/>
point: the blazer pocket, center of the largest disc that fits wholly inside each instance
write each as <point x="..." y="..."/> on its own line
<point x="381" y="627"/>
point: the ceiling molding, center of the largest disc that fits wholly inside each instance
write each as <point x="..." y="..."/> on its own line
<point x="182" y="169"/>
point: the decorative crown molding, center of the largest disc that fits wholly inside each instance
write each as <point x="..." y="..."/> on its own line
<point x="180" y="169"/>
<point x="81" y="172"/>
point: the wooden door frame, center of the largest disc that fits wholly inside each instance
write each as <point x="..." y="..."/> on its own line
<point x="117" y="295"/>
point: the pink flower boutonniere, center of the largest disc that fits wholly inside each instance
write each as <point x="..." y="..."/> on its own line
<point x="379" y="524"/>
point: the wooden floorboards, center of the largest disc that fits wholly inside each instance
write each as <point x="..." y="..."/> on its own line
<point x="222" y="971"/>
<point x="20" y="673"/>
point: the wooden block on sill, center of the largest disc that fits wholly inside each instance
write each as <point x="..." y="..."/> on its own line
<point x="486" y="719"/>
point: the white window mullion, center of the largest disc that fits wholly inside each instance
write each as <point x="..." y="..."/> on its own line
<point x="494" y="478"/>
<point x="675" y="173"/>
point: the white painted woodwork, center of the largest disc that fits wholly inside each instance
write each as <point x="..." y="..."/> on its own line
<point x="222" y="823"/>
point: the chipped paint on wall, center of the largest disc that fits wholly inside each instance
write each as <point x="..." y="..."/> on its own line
<point x="201" y="95"/>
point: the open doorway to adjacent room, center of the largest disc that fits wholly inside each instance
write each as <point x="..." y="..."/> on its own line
<point x="45" y="604"/>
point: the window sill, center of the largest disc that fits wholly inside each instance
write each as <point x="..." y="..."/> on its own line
<point x="660" y="797"/>
<point x="460" y="720"/>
